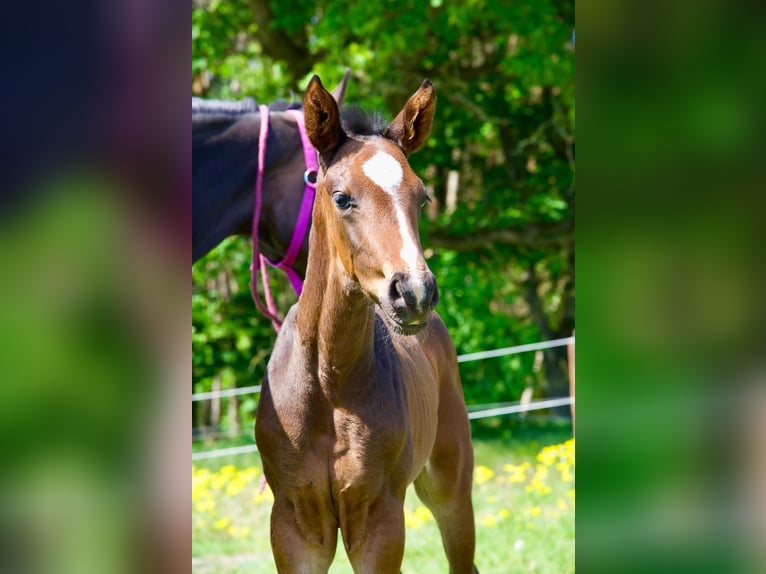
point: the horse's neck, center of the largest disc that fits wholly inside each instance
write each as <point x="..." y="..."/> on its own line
<point x="335" y="320"/>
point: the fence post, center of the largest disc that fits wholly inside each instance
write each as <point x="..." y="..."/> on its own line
<point x="571" y="359"/>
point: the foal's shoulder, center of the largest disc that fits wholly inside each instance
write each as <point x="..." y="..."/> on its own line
<point x="437" y="341"/>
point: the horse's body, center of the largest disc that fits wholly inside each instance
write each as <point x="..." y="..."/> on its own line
<point x="362" y="395"/>
<point x="224" y="166"/>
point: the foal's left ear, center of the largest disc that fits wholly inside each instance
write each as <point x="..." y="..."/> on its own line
<point x="322" y="117"/>
<point x="411" y="127"/>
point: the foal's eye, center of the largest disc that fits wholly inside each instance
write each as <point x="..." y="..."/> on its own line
<point x="342" y="200"/>
<point x="426" y="201"/>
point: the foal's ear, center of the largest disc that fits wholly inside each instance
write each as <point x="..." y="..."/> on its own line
<point x="411" y="127"/>
<point x="322" y="118"/>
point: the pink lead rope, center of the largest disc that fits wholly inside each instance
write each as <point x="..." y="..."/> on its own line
<point x="301" y="225"/>
<point x="304" y="215"/>
<point x="299" y="233"/>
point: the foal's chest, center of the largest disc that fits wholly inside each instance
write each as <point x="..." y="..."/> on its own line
<point x="387" y="432"/>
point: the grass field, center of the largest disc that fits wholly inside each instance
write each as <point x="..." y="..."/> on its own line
<point x="524" y="497"/>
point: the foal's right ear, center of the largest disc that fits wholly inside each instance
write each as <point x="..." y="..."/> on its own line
<point x="411" y="127"/>
<point x="322" y="119"/>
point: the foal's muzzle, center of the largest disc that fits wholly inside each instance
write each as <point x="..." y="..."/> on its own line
<point x="411" y="300"/>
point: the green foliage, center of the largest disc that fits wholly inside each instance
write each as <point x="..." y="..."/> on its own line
<point x="501" y="246"/>
<point x="231" y="342"/>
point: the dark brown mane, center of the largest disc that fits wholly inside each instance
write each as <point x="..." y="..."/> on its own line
<point x="359" y="122"/>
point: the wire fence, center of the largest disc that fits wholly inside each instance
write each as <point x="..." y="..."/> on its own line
<point x="460" y="359"/>
<point x="500" y="410"/>
<point x="494" y="412"/>
<point x="515" y="349"/>
<point x="226" y="393"/>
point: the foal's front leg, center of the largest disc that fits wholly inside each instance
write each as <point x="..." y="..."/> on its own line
<point x="303" y="535"/>
<point x="373" y="534"/>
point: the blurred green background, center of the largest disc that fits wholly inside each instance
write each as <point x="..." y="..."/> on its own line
<point x="671" y="467"/>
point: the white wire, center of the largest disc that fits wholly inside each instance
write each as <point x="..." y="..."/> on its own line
<point x="515" y="349"/>
<point x="226" y="393"/>
<point x="533" y="406"/>
<point x="224" y="452"/>
<point x="518" y="408"/>
<point x="461" y="359"/>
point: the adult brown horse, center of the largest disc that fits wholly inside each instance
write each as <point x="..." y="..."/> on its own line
<point x="362" y="396"/>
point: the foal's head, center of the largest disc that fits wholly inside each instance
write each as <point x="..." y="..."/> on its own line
<point x="369" y="202"/>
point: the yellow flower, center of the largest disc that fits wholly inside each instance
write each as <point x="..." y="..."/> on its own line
<point x="564" y="452"/>
<point x="541" y="472"/>
<point x="548" y="455"/>
<point x="538" y="487"/>
<point x="565" y="472"/>
<point x="221" y="523"/>
<point x="416" y="519"/>
<point x="489" y="521"/>
<point x="228" y="470"/>
<point x="207" y="505"/>
<point x="519" y="473"/>
<point x="265" y="496"/>
<point x="200" y="482"/>
<point x="483" y="474"/>
<point x="240" y="480"/>
<point x="238" y="531"/>
<point x="535" y="511"/>
<point x="504" y="513"/>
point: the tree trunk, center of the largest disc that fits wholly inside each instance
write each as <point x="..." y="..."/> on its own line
<point x="555" y="360"/>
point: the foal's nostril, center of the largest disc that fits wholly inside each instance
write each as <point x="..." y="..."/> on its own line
<point x="398" y="292"/>
<point x="421" y="296"/>
<point x="432" y="292"/>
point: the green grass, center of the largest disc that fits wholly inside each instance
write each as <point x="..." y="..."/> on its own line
<point x="524" y="514"/>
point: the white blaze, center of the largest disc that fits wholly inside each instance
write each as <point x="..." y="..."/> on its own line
<point x="386" y="172"/>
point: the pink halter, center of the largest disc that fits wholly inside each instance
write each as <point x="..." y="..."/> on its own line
<point x="301" y="225"/>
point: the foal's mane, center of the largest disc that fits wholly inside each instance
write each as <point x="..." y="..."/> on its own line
<point x="359" y="122"/>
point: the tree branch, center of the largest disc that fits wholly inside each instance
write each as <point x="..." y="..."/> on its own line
<point x="531" y="236"/>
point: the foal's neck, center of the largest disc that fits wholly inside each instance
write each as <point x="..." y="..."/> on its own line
<point x="336" y="322"/>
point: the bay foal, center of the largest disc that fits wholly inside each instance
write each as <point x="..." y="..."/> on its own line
<point x="362" y="396"/>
